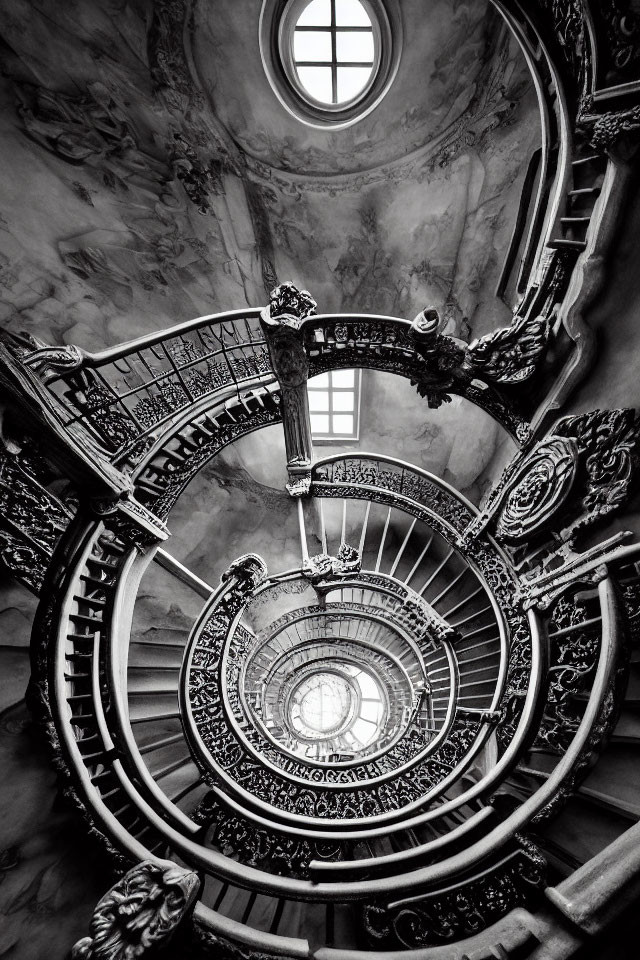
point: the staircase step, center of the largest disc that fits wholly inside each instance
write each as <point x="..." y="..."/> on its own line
<point x="585" y="191"/>
<point x="627" y="729"/>
<point x="566" y="244"/>
<point x="582" y="160"/>
<point x="623" y="807"/>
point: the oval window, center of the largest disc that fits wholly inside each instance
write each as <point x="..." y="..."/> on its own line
<point x="336" y="51"/>
<point x="330" y="61"/>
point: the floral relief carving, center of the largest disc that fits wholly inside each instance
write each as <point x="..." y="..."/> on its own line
<point x="539" y="489"/>
<point x="139" y="912"/>
<point x="586" y="470"/>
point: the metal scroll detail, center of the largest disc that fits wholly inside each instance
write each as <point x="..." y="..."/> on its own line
<point x="573" y="659"/>
<point x="52" y="362"/>
<point x="236" y="836"/>
<point x="462" y="910"/>
<point x="139" y="912"/>
<point x="609" y="445"/>
<point x="33" y="518"/>
<point x="164" y="477"/>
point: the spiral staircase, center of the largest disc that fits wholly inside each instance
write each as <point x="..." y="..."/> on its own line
<point x="382" y="749"/>
<point x="418" y="740"/>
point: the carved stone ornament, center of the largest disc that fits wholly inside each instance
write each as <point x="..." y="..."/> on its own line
<point x="141" y="910"/>
<point x="606" y="129"/>
<point x="424" y="328"/>
<point x="539" y="489"/>
<point x="299" y="483"/>
<point x="51" y="362"/>
<point x="509" y="355"/>
<point x="441" y="355"/>
<point x="324" y="567"/>
<point x="289" y="306"/>
<point x="249" y="569"/>
<point x="595" y="457"/>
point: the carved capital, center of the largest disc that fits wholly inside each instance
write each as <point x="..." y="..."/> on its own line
<point x="299" y="484"/>
<point x="288" y="307"/>
<point x="281" y="321"/>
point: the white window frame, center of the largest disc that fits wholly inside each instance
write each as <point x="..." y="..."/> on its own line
<point x="332" y="30"/>
<point x="331" y="390"/>
<point x="278" y="19"/>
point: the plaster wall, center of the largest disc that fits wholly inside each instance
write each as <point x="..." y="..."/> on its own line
<point x="613" y="381"/>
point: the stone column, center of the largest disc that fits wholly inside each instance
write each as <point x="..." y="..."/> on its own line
<point x="282" y="321"/>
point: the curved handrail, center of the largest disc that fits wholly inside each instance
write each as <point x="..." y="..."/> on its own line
<point x="364" y="613"/>
<point x="200" y="750"/>
<point x="265" y="733"/>
<point x="452" y="531"/>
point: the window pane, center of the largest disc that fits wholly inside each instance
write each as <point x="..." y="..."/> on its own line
<point x="319" y="423"/>
<point x="363" y="730"/>
<point x="368" y="686"/>
<point x="312" y="46"/>
<point x="351" y="13"/>
<point x="351" y="80"/>
<point x="318" y="401"/>
<point x="317" y="14"/>
<point x="370" y="711"/>
<point x="342" y="401"/>
<point x="322" y="380"/>
<point x="343" y="423"/>
<point x="354" y="46"/>
<point x="342" y="378"/>
<point x="317" y="82"/>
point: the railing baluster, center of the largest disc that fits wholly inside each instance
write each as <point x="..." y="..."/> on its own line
<point x="382" y="541"/>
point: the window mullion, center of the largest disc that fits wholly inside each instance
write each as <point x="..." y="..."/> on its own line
<point x="334" y="54"/>
<point x="331" y="430"/>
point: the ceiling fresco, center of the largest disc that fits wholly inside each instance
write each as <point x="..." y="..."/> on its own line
<point x="145" y="184"/>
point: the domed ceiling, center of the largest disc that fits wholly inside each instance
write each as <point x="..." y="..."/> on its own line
<point x="146" y="183"/>
<point x="413" y="204"/>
